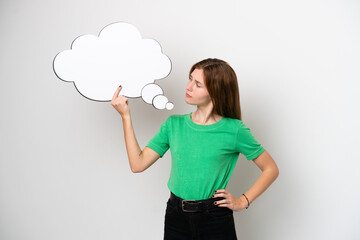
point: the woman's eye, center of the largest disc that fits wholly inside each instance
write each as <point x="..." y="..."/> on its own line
<point x="195" y="84"/>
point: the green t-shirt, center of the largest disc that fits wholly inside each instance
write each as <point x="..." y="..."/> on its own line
<point x="203" y="156"/>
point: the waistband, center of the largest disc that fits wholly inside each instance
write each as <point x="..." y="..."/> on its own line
<point x="193" y="205"/>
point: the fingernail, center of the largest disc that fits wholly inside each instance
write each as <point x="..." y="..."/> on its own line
<point x="212" y="195"/>
<point x="214" y="203"/>
<point x="215" y="191"/>
<point x="120" y="86"/>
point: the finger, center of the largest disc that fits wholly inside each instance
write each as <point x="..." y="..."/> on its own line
<point x="220" y="191"/>
<point x="221" y="202"/>
<point x="216" y="195"/>
<point x="116" y="94"/>
<point x="123" y="99"/>
<point x="225" y="205"/>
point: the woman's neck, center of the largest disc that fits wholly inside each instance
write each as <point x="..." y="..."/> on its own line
<point x="204" y="116"/>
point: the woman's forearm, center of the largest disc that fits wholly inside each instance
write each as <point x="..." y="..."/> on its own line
<point x="132" y="146"/>
<point x="266" y="178"/>
<point x="261" y="184"/>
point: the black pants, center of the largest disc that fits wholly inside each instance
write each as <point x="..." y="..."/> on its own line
<point x="213" y="223"/>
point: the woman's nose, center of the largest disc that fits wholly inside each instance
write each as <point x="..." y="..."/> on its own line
<point x="189" y="86"/>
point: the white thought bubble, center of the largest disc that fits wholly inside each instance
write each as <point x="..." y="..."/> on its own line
<point x="118" y="56"/>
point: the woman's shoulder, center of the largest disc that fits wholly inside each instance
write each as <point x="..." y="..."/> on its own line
<point x="235" y="123"/>
<point x="177" y="117"/>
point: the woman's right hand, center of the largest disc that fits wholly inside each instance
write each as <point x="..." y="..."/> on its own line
<point x="120" y="103"/>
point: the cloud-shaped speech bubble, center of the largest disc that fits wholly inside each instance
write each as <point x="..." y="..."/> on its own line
<point x="118" y="56"/>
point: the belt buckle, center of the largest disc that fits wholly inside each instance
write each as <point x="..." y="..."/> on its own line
<point x="188" y="201"/>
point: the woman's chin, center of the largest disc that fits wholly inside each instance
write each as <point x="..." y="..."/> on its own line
<point x="188" y="101"/>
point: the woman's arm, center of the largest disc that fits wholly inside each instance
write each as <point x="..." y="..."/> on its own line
<point x="138" y="160"/>
<point x="269" y="173"/>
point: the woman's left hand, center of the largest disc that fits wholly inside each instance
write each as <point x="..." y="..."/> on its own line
<point x="235" y="204"/>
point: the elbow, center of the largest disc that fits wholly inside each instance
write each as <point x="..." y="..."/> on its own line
<point x="276" y="172"/>
<point x="273" y="172"/>
<point x="136" y="169"/>
<point x="135" y="165"/>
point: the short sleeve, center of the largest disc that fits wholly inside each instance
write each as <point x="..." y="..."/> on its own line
<point x="246" y="143"/>
<point x="160" y="142"/>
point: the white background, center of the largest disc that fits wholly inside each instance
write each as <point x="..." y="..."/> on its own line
<point x="64" y="171"/>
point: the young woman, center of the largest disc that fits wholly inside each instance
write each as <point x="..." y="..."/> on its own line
<point x="205" y="146"/>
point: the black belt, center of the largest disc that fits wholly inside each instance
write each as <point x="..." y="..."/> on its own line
<point x="192" y="205"/>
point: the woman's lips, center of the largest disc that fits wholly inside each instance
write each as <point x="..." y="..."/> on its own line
<point x="187" y="95"/>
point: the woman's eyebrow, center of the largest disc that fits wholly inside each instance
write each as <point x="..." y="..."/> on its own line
<point x="195" y="80"/>
<point x="190" y="77"/>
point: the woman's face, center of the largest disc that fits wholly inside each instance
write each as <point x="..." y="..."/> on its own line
<point x="196" y="92"/>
